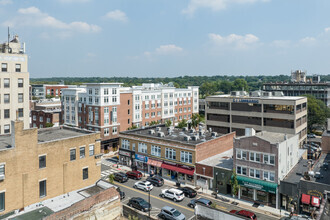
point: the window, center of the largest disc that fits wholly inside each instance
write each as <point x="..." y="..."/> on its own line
<point x="272" y="159"/>
<point x="186" y="157"/>
<point x="2" y="201"/>
<point x="251" y="172"/>
<point x="128" y="102"/>
<point x="133" y="146"/>
<point x="155" y="150"/>
<point x="82" y="152"/>
<point x="125" y="144"/>
<point x="252" y="156"/>
<point x="6" y="82"/>
<point x="241" y="170"/>
<point x="128" y="111"/>
<point x="170" y="154"/>
<point x="142" y="148"/>
<point x="257" y="174"/>
<point x="20" y="97"/>
<point x="18" y="68"/>
<point x="258" y="155"/>
<point x="114" y="91"/>
<point x="42" y="189"/>
<point x="146" y="115"/>
<point x="266" y="175"/>
<point x="6" y="129"/>
<point x="106" y="131"/>
<point x="114" y="99"/>
<point x="4" y="67"/>
<point x="72" y="154"/>
<point x="20" y="112"/>
<point x="6" y="113"/>
<point x="41" y="119"/>
<point x="85" y="173"/>
<point x="266" y="158"/>
<point x="42" y="161"/>
<point x="106" y="100"/>
<point x="91" y="149"/>
<point x="106" y="92"/>
<point x="20" y="82"/>
<point x="6" y="98"/>
<point x="272" y="176"/>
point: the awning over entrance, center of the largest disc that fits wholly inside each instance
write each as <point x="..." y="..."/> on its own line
<point x="257" y="184"/>
<point x="154" y="163"/>
<point x="178" y="169"/>
<point x="315" y="201"/>
<point x="305" y="199"/>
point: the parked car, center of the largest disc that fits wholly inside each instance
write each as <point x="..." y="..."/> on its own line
<point x="188" y="192"/>
<point x="325" y="165"/>
<point x="201" y="201"/>
<point x="311" y="136"/>
<point x="137" y="175"/>
<point x="171" y="213"/>
<point x="174" y="194"/>
<point x="318" y="175"/>
<point x="144" y="185"/>
<point x="140" y="204"/>
<point x="156" y="180"/>
<point x="120" y="177"/>
<point x="121" y="193"/>
<point x="244" y="213"/>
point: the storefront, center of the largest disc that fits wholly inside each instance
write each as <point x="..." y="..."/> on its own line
<point x="126" y="157"/>
<point x="155" y="166"/>
<point x="178" y="172"/>
<point x="141" y="162"/>
<point x="309" y="204"/>
<point x="259" y="191"/>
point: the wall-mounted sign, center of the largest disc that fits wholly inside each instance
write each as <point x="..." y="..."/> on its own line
<point x="246" y="100"/>
<point x="124" y="153"/>
<point x="141" y="157"/>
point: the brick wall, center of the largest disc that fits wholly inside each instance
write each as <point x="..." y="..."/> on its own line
<point x="214" y="147"/>
<point x="208" y="170"/>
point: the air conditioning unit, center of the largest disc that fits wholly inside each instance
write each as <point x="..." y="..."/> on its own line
<point x="158" y="129"/>
<point x="266" y="179"/>
<point x="195" y="138"/>
<point x="2" y="176"/>
<point x="214" y="134"/>
<point x="151" y="131"/>
<point x="187" y="138"/>
<point x="185" y="129"/>
<point x="243" y="158"/>
<point x="191" y="131"/>
<point x="160" y="134"/>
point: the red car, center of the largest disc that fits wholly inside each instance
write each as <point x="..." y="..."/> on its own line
<point x="244" y="213"/>
<point x="137" y="175"/>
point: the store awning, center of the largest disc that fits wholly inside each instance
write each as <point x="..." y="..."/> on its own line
<point x="305" y="199"/>
<point x="315" y="201"/>
<point x="257" y="184"/>
<point x="178" y="169"/>
<point x="154" y="163"/>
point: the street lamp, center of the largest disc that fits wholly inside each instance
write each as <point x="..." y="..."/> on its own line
<point x="149" y="202"/>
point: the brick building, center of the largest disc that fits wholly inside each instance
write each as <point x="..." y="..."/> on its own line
<point x="46" y="113"/>
<point x="42" y="91"/>
<point x="111" y="108"/>
<point x="170" y="152"/>
<point x="36" y="165"/>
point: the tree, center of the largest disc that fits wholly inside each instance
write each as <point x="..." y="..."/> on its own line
<point x="182" y="123"/>
<point x="234" y="183"/>
<point x="318" y="112"/>
<point x="240" y="84"/>
<point x="168" y="123"/>
<point x="49" y="125"/>
<point x="195" y="120"/>
<point x="111" y="178"/>
<point x="153" y="123"/>
<point x="132" y="128"/>
<point x="225" y="86"/>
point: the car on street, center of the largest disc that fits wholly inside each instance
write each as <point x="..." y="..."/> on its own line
<point x="188" y="192"/>
<point x="144" y="185"/>
<point x="120" y="177"/>
<point x="245" y="213"/>
<point x="174" y="194"/>
<point x="171" y="214"/>
<point x="137" y="175"/>
<point x="140" y="204"/>
<point x="156" y="181"/>
<point x="200" y="201"/>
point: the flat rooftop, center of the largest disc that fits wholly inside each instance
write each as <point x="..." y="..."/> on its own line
<point x="48" y="134"/>
<point x="223" y="160"/>
<point x="271" y="137"/>
<point x="284" y="98"/>
<point x="175" y="134"/>
<point x="297" y="172"/>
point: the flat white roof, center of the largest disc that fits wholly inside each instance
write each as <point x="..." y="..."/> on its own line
<point x="260" y="97"/>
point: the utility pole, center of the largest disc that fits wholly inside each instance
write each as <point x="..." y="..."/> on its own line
<point x="149" y="202"/>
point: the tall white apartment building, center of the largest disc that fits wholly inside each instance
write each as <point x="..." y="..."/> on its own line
<point x="14" y="85"/>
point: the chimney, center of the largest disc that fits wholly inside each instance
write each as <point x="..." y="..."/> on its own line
<point x="249" y="132"/>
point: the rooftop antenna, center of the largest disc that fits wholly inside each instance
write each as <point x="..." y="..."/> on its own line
<point x="8" y="36"/>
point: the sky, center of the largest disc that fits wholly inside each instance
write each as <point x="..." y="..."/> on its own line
<point x="169" y="38"/>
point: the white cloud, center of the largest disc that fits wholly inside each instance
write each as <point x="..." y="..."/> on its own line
<point x="308" y="40"/>
<point x="214" y="5"/>
<point x="116" y="15"/>
<point x="168" y="49"/>
<point x="6" y="2"/>
<point x="33" y="17"/>
<point x="234" y="40"/>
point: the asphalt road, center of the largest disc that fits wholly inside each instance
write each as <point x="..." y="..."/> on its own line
<point x="158" y="202"/>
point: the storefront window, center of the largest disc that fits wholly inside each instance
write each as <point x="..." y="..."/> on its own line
<point x="246" y="192"/>
<point x="262" y="196"/>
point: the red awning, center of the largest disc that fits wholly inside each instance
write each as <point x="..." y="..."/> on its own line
<point x="178" y="169"/>
<point x="315" y="201"/>
<point x="305" y="199"/>
<point x="154" y="163"/>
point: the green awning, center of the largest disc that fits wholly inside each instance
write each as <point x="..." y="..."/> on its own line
<point x="257" y="184"/>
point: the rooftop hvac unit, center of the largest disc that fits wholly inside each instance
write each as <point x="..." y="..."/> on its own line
<point x="160" y="134"/>
<point x="267" y="94"/>
<point x="158" y="129"/>
<point x="191" y="131"/>
<point x="235" y="93"/>
<point x="187" y="138"/>
<point x="201" y="133"/>
<point x="278" y="94"/>
<point x="214" y="134"/>
<point x="185" y="129"/>
<point x="255" y="94"/>
<point x="195" y="138"/>
<point x="151" y="131"/>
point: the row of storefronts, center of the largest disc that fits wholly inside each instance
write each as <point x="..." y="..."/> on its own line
<point x="167" y="169"/>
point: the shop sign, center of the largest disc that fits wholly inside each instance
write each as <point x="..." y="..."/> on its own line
<point x="128" y="154"/>
<point x="179" y="165"/>
<point x="314" y="192"/>
<point x="257" y="184"/>
<point x="246" y="100"/>
<point x="141" y="157"/>
<point x="252" y="185"/>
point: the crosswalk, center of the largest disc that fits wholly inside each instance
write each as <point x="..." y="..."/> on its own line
<point x="106" y="173"/>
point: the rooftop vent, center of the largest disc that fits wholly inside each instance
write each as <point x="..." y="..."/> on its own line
<point x="267" y="94"/>
<point x="187" y="138"/>
<point x="160" y="134"/>
<point x="191" y="130"/>
<point x="151" y="131"/>
<point x="158" y="129"/>
<point x="195" y="138"/>
<point x="201" y="133"/>
<point x="214" y="134"/>
<point x="185" y="129"/>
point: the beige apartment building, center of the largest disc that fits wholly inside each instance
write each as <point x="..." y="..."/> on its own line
<point x="36" y="165"/>
<point x="262" y="111"/>
<point x="14" y="85"/>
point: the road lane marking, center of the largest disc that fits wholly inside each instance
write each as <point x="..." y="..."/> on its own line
<point x="164" y="200"/>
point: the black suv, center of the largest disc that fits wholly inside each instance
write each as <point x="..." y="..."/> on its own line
<point x="139" y="203"/>
<point x="188" y="192"/>
<point x="156" y="180"/>
<point x="120" y="177"/>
